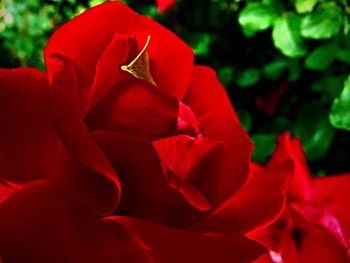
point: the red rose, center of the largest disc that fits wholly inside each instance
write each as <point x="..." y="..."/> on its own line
<point x="315" y="227"/>
<point x="164" y="5"/>
<point x="125" y="152"/>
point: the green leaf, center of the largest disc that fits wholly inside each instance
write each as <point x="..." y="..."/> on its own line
<point x="340" y="112"/>
<point x="295" y="69"/>
<point x="263" y="146"/>
<point x="200" y="43"/>
<point x="346" y="25"/>
<point x="245" y="119"/>
<point x="149" y="10"/>
<point x="286" y="35"/>
<point x="275" y="69"/>
<point x="343" y="55"/>
<point x="248" y="31"/>
<point x="305" y="6"/>
<point x="95" y="2"/>
<point x="321" y="57"/>
<point x="225" y="75"/>
<point x="331" y="86"/>
<point x="324" y="23"/>
<point x="279" y="124"/>
<point x="256" y="17"/>
<point x="277" y="5"/>
<point x="314" y="129"/>
<point x="248" y="77"/>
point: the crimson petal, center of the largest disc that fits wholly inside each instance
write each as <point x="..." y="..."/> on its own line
<point x="258" y="203"/>
<point x="164" y="5"/>
<point x="38" y="224"/>
<point x="168" y="245"/>
<point x="217" y="119"/>
<point x="7" y="189"/>
<point x="107" y="69"/>
<point x="319" y="245"/>
<point x="83" y="41"/>
<point x="135" y="109"/>
<point x="148" y="193"/>
<point x="77" y="139"/>
<point x="196" y="161"/>
<point x="291" y="148"/>
<point x="332" y="193"/>
<point x="28" y="141"/>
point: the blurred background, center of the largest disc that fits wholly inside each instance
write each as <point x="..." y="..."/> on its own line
<point x="284" y="64"/>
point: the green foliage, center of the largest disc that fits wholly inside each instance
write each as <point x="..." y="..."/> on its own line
<point x="256" y="17"/>
<point x="324" y="23"/>
<point x="225" y="75"/>
<point x="26" y="25"/>
<point x="200" y="42"/>
<point x="286" y="35"/>
<point x="321" y="57"/>
<point x="340" y="112"/>
<point x="314" y="129"/>
<point x="305" y="6"/>
<point x="283" y="63"/>
<point x="275" y="69"/>
<point x="314" y="68"/>
<point x="263" y="146"/>
<point x="245" y="119"/>
<point x="248" y="77"/>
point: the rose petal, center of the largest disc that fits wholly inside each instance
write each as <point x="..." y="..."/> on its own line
<point x="135" y="109"/>
<point x="171" y="59"/>
<point x="288" y="148"/>
<point x="196" y="161"/>
<point x="78" y="141"/>
<point x="148" y="194"/>
<point x="319" y="245"/>
<point x="187" y="122"/>
<point x="258" y="203"/>
<point x="39" y="224"/>
<point x="266" y="258"/>
<point x="287" y="248"/>
<point x="322" y="218"/>
<point x="27" y="137"/>
<point x="108" y="71"/>
<point x="208" y="100"/>
<point x="83" y="41"/>
<point x="332" y="193"/>
<point x="191" y="194"/>
<point x="164" y="5"/>
<point x="85" y="185"/>
<point x="300" y="240"/>
<point x="7" y="189"/>
<point x="279" y="240"/>
<point x="168" y="245"/>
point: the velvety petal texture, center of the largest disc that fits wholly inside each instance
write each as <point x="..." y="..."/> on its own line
<point x="291" y="149"/>
<point x="148" y="193"/>
<point x="164" y="5"/>
<point x="98" y="26"/>
<point x="172" y="246"/>
<point x="28" y="141"/>
<point x="137" y="110"/>
<point x="7" y="189"/>
<point x="98" y="164"/>
<point x="259" y="203"/>
<point x="315" y="225"/>
<point x="333" y="194"/>
<point x="39" y="224"/>
<point x="78" y="141"/>
<point x="218" y="121"/>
